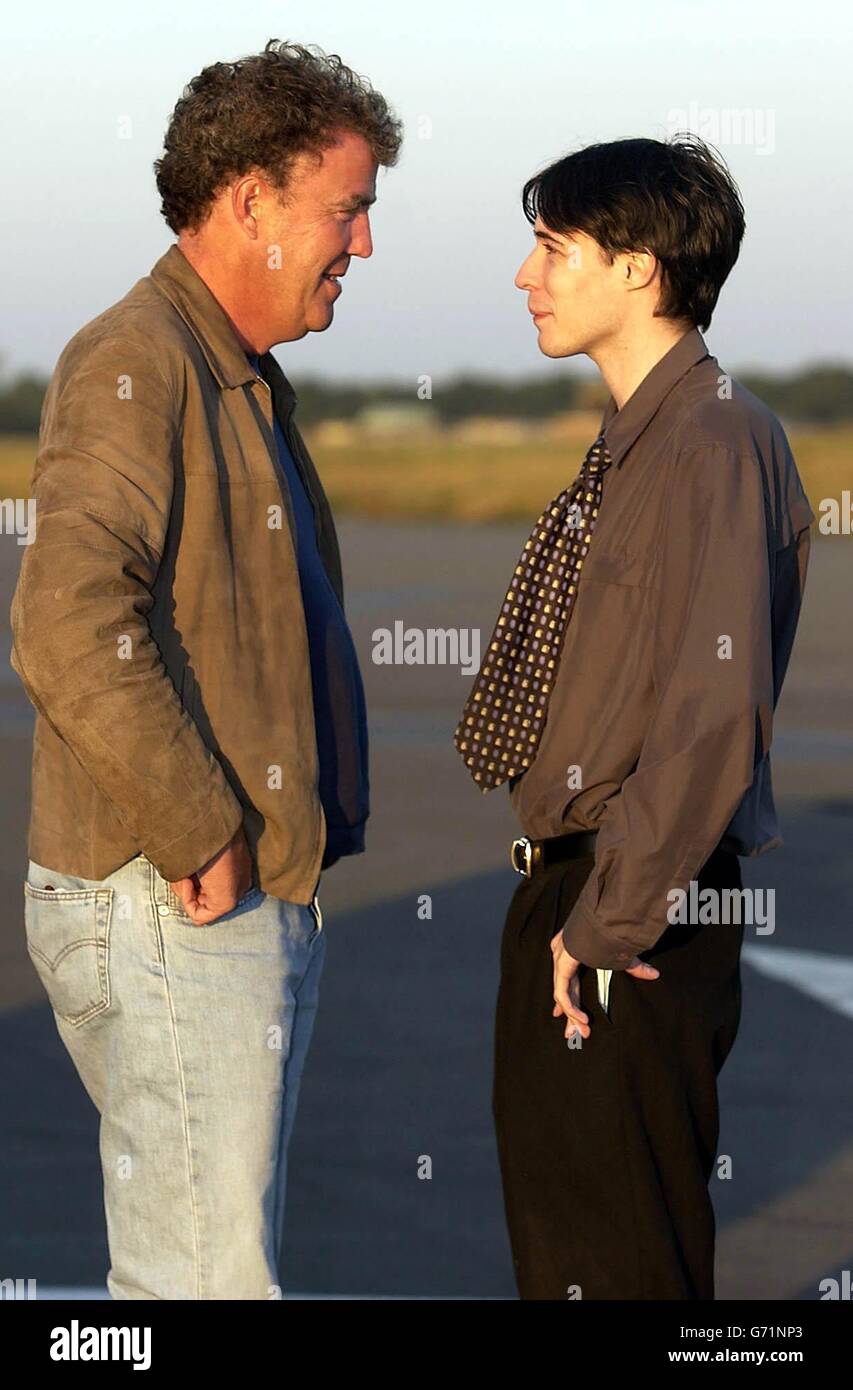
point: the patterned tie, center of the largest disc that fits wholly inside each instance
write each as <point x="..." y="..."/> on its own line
<point x="505" y="712"/>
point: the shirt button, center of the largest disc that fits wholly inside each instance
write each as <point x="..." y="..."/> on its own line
<point x="163" y="909"/>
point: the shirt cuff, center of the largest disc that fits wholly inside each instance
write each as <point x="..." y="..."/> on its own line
<point x="584" y="939"/>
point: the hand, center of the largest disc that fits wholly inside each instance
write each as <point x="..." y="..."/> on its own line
<point x="217" y="887"/>
<point x="567" y="990"/>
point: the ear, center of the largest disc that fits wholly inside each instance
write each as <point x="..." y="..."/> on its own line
<point x="639" y="269"/>
<point x="246" y="203"/>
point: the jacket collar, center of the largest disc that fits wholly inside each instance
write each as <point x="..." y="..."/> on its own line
<point x="621" y="428"/>
<point x="204" y="316"/>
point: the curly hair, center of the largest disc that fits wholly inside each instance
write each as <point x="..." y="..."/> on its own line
<point x="676" y="198"/>
<point x="260" y="113"/>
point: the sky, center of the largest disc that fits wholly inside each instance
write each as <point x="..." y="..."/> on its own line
<point x="488" y="93"/>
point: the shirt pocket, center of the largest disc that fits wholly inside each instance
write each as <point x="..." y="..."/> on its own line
<point x="609" y="566"/>
<point x="68" y="940"/>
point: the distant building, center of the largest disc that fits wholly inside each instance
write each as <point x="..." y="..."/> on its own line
<point x="493" y="429"/>
<point x="570" y="425"/>
<point x="418" y="418"/>
<point x="333" y="433"/>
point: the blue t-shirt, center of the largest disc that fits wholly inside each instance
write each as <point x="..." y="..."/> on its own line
<point x="340" y="715"/>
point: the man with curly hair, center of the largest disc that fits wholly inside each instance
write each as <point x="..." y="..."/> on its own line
<point x="200" y="751"/>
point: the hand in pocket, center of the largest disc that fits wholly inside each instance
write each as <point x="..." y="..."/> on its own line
<point x="218" y="887"/>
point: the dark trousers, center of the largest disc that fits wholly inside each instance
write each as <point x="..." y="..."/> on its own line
<point x="606" y="1149"/>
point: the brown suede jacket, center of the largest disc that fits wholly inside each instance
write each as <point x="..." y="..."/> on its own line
<point x="158" y="625"/>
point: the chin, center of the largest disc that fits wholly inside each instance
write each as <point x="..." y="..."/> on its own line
<point x="551" y="347"/>
<point x="554" y="347"/>
<point x="319" y="323"/>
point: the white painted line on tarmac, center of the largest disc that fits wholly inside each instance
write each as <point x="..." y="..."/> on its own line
<point x="826" y="978"/>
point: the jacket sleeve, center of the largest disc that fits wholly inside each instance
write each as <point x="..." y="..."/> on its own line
<point x="712" y="663"/>
<point x="82" y="644"/>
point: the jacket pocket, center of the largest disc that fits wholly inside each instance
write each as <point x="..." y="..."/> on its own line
<point x="68" y="940"/>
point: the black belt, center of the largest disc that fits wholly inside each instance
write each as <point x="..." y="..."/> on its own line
<point x="529" y="857"/>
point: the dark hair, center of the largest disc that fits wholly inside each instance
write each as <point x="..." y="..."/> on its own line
<point x="261" y="112"/>
<point x="675" y="198"/>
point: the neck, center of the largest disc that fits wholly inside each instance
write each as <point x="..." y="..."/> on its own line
<point x="624" y="361"/>
<point x="213" y="268"/>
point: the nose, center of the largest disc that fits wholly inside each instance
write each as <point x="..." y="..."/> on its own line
<point x="361" y="241"/>
<point x="524" y="278"/>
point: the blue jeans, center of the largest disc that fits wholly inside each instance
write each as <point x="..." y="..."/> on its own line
<point x="191" y="1041"/>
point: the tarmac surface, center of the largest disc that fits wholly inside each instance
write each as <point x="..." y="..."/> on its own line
<point x="400" y="1063"/>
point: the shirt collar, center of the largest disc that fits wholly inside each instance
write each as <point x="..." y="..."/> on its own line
<point x="622" y="428"/>
<point x="182" y="285"/>
<point x="268" y="368"/>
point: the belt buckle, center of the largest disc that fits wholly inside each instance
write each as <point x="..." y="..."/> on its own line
<point x="525" y="845"/>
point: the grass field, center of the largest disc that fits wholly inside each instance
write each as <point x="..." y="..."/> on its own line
<point x="462" y="480"/>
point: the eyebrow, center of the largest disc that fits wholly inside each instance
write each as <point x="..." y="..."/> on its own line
<point x="546" y="236"/>
<point x="351" y="204"/>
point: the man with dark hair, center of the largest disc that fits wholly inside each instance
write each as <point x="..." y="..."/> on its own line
<point x="627" y="698"/>
<point x="200" y="747"/>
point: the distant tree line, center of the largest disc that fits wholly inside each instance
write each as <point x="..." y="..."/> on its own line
<point x="20" y="404"/>
<point x="822" y="394"/>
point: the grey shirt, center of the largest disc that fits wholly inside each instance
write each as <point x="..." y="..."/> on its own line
<point x="661" y="716"/>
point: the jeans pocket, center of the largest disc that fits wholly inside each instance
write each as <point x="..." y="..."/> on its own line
<point x="251" y="897"/>
<point x="68" y="940"/>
